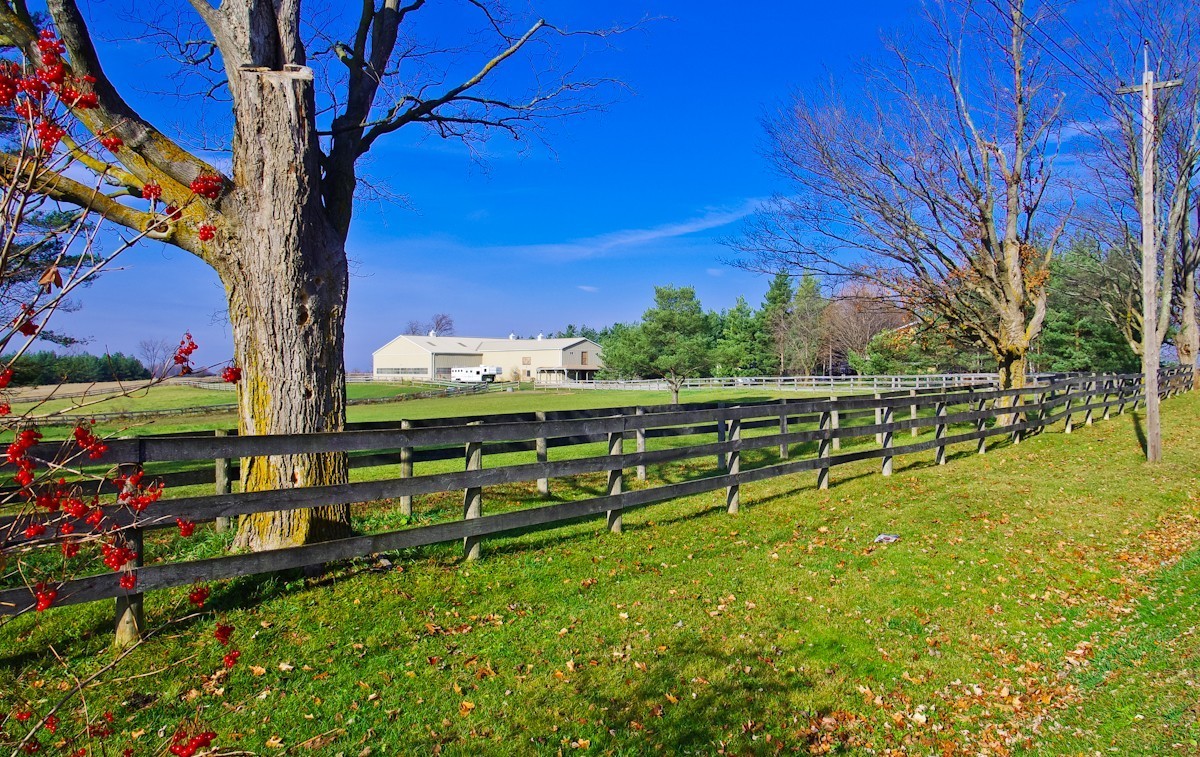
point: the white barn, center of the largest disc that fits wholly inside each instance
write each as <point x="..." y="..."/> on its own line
<point x="433" y="357"/>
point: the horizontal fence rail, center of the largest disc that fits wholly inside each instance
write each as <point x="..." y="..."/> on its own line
<point x="810" y="383"/>
<point x="956" y="416"/>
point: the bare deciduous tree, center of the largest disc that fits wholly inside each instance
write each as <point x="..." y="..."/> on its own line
<point x="304" y="112"/>
<point x="857" y="312"/>
<point x="1114" y="162"/>
<point x="934" y="185"/>
<point x="156" y="355"/>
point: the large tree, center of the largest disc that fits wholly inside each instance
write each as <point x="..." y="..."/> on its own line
<point x="274" y="228"/>
<point x="674" y="341"/>
<point x="932" y="182"/>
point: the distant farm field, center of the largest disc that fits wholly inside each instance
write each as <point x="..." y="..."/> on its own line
<point x="1041" y="599"/>
<point x="496" y="402"/>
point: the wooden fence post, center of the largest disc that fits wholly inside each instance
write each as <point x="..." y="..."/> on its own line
<point x="823" y="452"/>
<point x="912" y="411"/>
<point x="615" y="479"/>
<point x="130" y="616"/>
<point x="720" y="435"/>
<point x="980" y="427"/>
<point x="733" y="494"/>
<point x="221" y="485"/>
<point x="641" y="446"/>
<point x="543" y="484"/>
<point x="887" y="441"/>
<point x="1090" y="388"/>
<point x="783" y="429"/>
<point x="878" y="420"/>
<point x="835" y="423"/>
<point x="406" y="471"/>
<point x="130" y="613"/>
<point x="1070" y="425"/>
<point x="1108" y="382"/>
<point x="940" y="434"/>
<point x="473" y="497"/>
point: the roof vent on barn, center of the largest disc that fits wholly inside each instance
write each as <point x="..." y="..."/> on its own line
<point x="512" y="336"/>
<point x="433" y="332"/>
<point x="540" y="337"/>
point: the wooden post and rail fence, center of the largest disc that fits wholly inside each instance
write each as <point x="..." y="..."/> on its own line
<point x="956" y="416"/>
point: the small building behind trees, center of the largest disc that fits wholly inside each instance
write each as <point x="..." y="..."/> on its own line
<point x="541" y="359"/>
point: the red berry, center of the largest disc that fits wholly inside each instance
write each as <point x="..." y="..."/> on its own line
<point x="186" y="527"/>
<point x="231" y="658"/>
<point x="152" y="191"/>
<point x="128" y="581"/>
<point x="222" y="633"/>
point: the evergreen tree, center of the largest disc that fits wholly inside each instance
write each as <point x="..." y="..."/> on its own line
<point x="673" y="341"/>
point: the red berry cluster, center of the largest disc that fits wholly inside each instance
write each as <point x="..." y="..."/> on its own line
<point x="93" y="445"/>
<point x="27" y="94"/>
<point x="49" y="134"/>
<point x="222" y="633"/>
<point x="186" y="527"/>
<point x="207" y="232"/>
<point x="135" y="492"/>
<point x="5" y="377"/>
<point x="18" y="455"/>
<point x="198" y="596"/>
<point x="184" y="746"/>
<point x="152" y="191"/>
<point x="70" y="548"/>
<point x="45" y="596"/>
<point x="34" y="530"/>
<point x="230" y="659"/>
<point x="207" y="185"/>
<point x="117" y="556"/>
<point x="232" y="374"/>
<point x="183" y="354"/>
<point x="5" y="408"/>
<point x="111" y="142"/>
<point x="128" y="581"/>
<point x="101" y="729"/>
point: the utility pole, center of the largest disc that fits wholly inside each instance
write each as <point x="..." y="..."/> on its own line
<point x="1151" y="343"/>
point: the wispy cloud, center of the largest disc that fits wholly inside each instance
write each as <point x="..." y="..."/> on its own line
<point x="587" y="288"/>
<point x="626" y="241"/>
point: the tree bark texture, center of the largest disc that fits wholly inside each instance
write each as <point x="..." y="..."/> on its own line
<point x="286" y="281"/>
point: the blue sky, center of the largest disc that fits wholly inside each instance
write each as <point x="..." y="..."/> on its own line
<point x="531" y="238"/>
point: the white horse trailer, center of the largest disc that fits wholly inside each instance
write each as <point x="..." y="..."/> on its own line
<point x="476" y="375"/>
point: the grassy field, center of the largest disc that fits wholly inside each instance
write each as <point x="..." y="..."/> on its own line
<point x="526" y="400"/>
<point x="1041" y="600"/>
<point x="168" y="397"/>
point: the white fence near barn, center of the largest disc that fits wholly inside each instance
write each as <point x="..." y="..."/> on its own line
<point x="807" y="383"/>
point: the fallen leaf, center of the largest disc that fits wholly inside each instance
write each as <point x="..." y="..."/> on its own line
<point x="465" y="708"/>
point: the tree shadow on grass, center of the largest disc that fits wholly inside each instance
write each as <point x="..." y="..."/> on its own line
<point x="1140" y="431"/>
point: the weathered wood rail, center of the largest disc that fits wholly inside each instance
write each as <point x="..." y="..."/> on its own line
<point x="783" y="425"/>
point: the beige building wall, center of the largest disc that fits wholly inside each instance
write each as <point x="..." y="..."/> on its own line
<point x="401" y="359"/>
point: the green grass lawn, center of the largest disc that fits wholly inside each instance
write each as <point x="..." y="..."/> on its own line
<point x="525" y="400"/>
<point x="168" y="397"/>
<point x="1041" y="600"/>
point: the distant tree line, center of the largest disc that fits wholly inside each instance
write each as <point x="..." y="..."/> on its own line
<point x="800" y="328"/>
<point x="41" y="368"/>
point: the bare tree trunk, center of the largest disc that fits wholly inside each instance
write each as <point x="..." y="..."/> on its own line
<point x="1010" y="368"/>
<point x="1187" y="344"/>
<point x="286" y="280"/>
